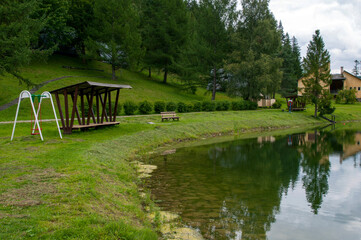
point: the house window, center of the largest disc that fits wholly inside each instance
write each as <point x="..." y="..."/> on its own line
<point x="354" y="88"/>
<point x="359" y="88"/>
<point x="350" y="88"/>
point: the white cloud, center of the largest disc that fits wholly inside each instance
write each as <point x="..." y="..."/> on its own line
<point x="338" y="20"/>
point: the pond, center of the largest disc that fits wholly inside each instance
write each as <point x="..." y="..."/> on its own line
<point x="296" y="186"/>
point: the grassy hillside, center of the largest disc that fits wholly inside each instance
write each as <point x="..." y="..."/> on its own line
<point x="143" y="87"/>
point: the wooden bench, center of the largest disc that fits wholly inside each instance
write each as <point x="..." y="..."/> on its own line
<point x="169" y="115"/>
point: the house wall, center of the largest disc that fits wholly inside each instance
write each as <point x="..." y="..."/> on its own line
<point x="301" y="86"/>
<point x="352" y="82"/>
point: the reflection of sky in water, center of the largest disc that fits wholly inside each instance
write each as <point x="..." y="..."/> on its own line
<point x="340" y="214"/>
<point x="266" y="188"/>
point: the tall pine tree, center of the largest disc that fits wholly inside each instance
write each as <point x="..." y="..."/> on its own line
<point x="316" y="67"/>
<point x="254" y="63"/>
<point x="114" y="34"/>
<point x="165" y="32"/>
<point x="18" y="35"/>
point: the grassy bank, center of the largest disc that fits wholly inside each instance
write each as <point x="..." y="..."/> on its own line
<point x="84" y="187"/>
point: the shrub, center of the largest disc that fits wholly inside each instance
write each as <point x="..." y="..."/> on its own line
<point x="251" y="105"/>
<point x="159" y="106"/>
<point x="197" y="106"/>
<point x="239" y="105"/>
<point x="182" y="107"/>
<point x="277" y="104"/>
<point x="145" y="107"/>
<point x="130" y="107"/>
<point x="222" y="106"/>
<point x="171" y="106"/>
<point x="325" y="106"/>
<point x="208" y="106"/>
<point x="348" y="96"/>
<point x="189" y="107"/>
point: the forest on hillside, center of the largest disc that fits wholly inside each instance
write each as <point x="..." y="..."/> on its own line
<point x="222" y="45"/>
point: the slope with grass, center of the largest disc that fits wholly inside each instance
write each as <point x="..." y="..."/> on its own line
<point x="143" y="88"/>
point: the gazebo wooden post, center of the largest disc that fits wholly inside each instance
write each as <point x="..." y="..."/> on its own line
<point x="90" y="103"/>
<point x="97" y="95"/>
<point x="60" y="110"/>
<point x="66" y="129"/>
<point x="110" y="106"/>
<point x="104" y="111"/>
<point x="82" y="107"/>
<point x="91" y="110"/>
<point x="74" y="108"/>
<point x="116" y="105"/>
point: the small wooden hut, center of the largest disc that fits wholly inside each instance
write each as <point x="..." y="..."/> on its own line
<point x="100" y="93"/>
<point x="299" y="102"/>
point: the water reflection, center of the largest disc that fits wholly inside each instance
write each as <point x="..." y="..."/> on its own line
<point x="234" y="190"/>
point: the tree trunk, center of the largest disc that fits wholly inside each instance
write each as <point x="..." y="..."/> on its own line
<point x="113" y="73"/>
<point x="165" y="75"/>
<point x="150" y="72"/>
<point x="214" y="83"/>
<point x="83" y="53"/>
<point x="315" y="109"/>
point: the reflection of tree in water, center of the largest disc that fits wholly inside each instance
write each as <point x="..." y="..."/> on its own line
<point x="229" y="190"/>
<point x="264" y="171"/>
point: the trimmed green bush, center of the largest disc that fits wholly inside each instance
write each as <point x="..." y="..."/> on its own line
<point x="277" y="104"/>
<point x="189" y="107"/>
<point x="238" y="105"/>
<point x="251" y="105"/>
<point x="171" y="106"/>
<point x="159" y="106"/>
<point x="181" y="107"/>
<point x="130" y="107"/>
<point x="145" y="107"/>
<point x="222" y="106"/>
<point x="208" y="106"/>
<point x="197" y="106"/>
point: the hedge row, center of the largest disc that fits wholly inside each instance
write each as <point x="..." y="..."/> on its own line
<point x="147" y="107"/>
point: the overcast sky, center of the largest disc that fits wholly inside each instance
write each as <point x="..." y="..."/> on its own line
<point x="338" y="20"/>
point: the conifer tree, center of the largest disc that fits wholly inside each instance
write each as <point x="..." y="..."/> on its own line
<point x="316" y="67"/>
<point x="165" y="32"/>
<point x="18" y="35"/>
<point x="114" y="34"/>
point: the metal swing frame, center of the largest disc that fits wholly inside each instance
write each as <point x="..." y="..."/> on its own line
<point x="45" y="95"/>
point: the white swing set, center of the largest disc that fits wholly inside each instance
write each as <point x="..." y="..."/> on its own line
<point x="45" y="95"/>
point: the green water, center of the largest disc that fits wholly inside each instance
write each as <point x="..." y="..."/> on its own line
<point x="299" y="186"/>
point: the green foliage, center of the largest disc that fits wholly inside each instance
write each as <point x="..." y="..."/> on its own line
<point x="19" y="32"/>
<point x="114" y="34"/>
<point x="346" y="96"/>
<point x="237" y="105"/>
<point x="316" y="67"/>
<point x="171" y="106"/>
<point x="145" y="107"/>
<point x="165" y="32"/>
<point x="325" y="104"/>
<point x="182" y="107"/>
<point x="277" y="104"/>
<point x="253" y="63"/>
<point x="208" y="106"/>
<point x="197" y="106"/>
<point x="189" y="107"/>
<point x="159" y="106"/>
<point x="222" y="105"/>
<point x="130" y="107"/>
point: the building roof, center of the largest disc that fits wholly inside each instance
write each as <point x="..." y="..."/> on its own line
<point x="337" y="77"/>
<point x="87" y="86"/>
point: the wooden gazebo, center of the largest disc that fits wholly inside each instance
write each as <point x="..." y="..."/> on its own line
<point x="299" y="102"/>
<point x="101" y="92"/>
